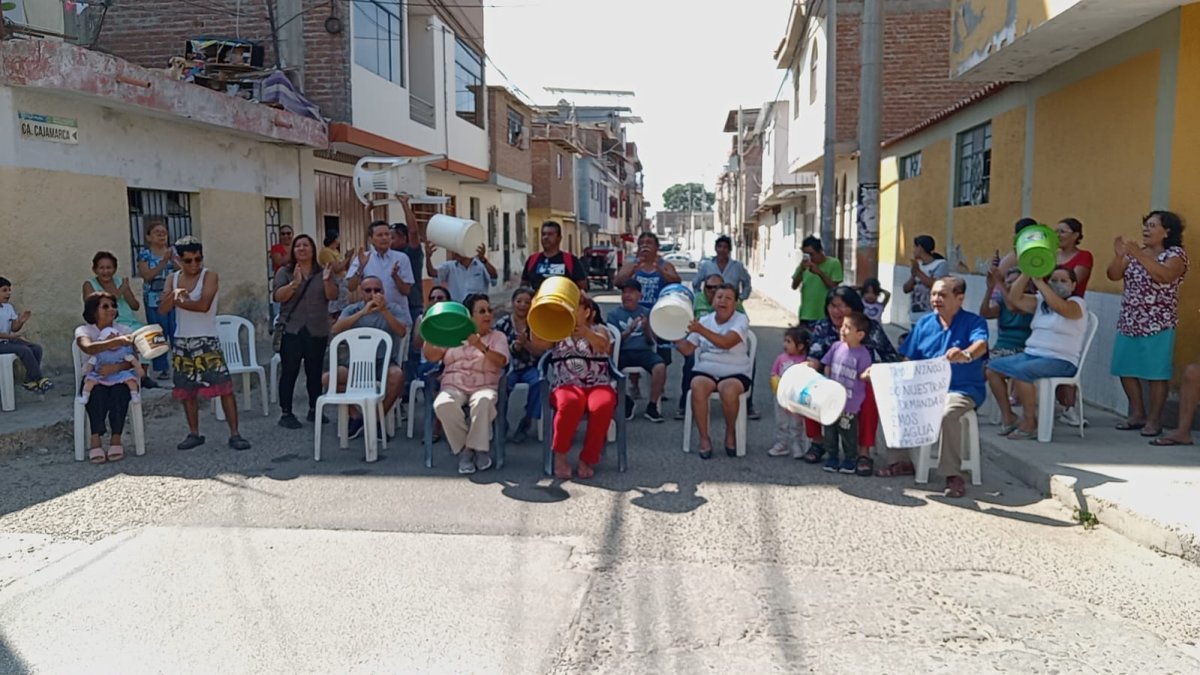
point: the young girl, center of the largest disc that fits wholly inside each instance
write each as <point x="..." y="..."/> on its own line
<point x="874" y="298"/>
<point x="131" y="377"/>
<point x="789" y="428"/>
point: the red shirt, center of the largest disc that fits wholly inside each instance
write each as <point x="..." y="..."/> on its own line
<point x="1081" y="258"/>
<point x="281" y="250"/>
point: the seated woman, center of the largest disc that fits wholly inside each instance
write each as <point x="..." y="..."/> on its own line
<point x="470" y="378"/>
<point x="525" y="351"/>
<point x="106" y="401"/>
<point x="722" y="349"/>
<point x="580" y="382"/>
<point x="1055" y="344"/>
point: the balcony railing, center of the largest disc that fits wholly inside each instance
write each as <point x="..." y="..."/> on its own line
<point x="422" y="111"/>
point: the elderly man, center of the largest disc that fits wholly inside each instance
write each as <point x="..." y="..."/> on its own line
<point x="730" y="270"/>
<point x="961" y="337"/>
<point x="391" y="267"/>
<point x="374" y="312"/>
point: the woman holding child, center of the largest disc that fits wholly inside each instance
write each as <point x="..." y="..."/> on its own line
<point x="111" y="345"/>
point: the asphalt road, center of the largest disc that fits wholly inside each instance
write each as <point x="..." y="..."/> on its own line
<point x="264" y="561"/>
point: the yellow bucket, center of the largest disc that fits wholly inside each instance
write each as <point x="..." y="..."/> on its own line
<point x="552" y="312"/>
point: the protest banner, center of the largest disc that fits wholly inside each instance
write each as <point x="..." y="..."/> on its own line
<point x="911" y="397"/>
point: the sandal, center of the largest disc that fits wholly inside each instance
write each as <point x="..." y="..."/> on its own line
<point x="1167" y="442"/>
<point x="1126" y="426"/>
<point x="864" y="467"/>
<point x="897" y="469"/>
<point x="116" y="453"/>
<point x="1021" y="435"/>
<point x="1006" y="429"/>
<point x="96" y="456"/>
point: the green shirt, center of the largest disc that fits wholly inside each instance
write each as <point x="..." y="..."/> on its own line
<point x="701" y="306"/>
<point x="813" y="290"/>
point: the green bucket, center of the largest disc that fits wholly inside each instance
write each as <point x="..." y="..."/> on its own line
<point x="447" y="324"/>
<point x="1037" y="250"/>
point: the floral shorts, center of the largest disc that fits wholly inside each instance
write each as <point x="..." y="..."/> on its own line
<point x="200" y="369"/>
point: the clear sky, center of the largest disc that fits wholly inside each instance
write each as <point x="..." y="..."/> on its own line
<point x="689" y="62"/>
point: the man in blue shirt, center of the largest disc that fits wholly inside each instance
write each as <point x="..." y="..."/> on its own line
<point x="961" y="337"/>
<point x="638" y="347"/>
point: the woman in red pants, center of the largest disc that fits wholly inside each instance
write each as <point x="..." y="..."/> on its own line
<point x="579" y="383"/>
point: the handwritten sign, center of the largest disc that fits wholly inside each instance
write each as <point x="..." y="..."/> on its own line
<point x="911" y="397"/>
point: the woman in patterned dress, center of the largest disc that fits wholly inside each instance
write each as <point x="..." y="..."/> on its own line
<point x="1152" y="272"/>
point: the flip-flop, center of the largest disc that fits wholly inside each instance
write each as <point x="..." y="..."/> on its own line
<point x="115" y="453"/>
<point x="1006" y="429"/>
<point x="1165" y="442"/>
<point x="1126" y="426"/>
<point x="1018" y="435"/>
<point x="1151" y="435"/>
<point x="96" y="456"/>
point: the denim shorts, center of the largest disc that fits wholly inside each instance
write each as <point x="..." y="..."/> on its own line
<point x="1028" y="368"/>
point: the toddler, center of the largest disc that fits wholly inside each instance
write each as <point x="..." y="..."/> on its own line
<point x="874" y="298"/>
<point x="789" y="427"/>
<point x="131" y="377"/>
<point x="845" y="363"/>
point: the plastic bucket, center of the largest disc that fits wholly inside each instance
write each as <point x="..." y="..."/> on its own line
<point x="447" y="324"/>
<point x="462" y="236"/>
<point x="1037" y="250"/>
<point x="671" y="315"/>
<point x="552" y="312"/>
<point x="150" y="342"/>
<point x="806" y="392"/>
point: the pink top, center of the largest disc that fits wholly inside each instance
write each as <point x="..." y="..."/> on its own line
<point x="1081" y="258"/>
<point x="1148" y="307"/>
<point x="467" y="368"/>
<point x="785" y="361"/>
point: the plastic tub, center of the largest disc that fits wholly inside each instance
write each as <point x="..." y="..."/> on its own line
<point x="150" y="342"/>
<point x="462" y="236"/>
<point x="447" y="324"/>
<point x="673" y="312"/>
<point x="1037" y="250"/>
<point x="806" y="392"/>
<point x="552" y="312"/>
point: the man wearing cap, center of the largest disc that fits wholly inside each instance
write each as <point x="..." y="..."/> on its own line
<point x="461" y="275"/>
<point x="638" y="346"/>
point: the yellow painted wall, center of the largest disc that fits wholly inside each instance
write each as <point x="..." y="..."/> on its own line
<point x="1185" y="168"/>
<point x="922" y="200"/>
<point x="980" y="230"/>
<point x="889" y="209"/>
<point x="1094" y="154"/>
<point x="980" y="28"/>
<point x="232" y="229"/>
<point x="53" y="223"/>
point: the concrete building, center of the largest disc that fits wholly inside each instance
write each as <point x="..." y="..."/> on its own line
<point x="554" y="149"/>
<point x="97" y="145"/>
<point x="1038" y="147"/>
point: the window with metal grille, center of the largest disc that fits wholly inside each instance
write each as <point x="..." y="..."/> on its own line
<point x="522" y="230"/>
<point x="973" y="178"/>
<point x="493" y="229"/>
<point x="273" y="216"/>
<point x="379" y="38"/>
<point x="468" y="83"/>
<point x="151" y="205"/>
<point x="910" y="166"/>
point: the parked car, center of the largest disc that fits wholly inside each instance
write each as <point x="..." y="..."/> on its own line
<point x="680" y="259"/>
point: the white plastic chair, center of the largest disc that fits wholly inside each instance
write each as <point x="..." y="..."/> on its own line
<point x="82" y="424"/>
<point x="275" y="361"/>
<point x="8" y="382"/>
<point x="927" y="456"/>
<point x="1047" y="387"/>
<point x="229" y="332"/>
<point x="392" y="419"/>
<point x="743" y="405"/>
<point x="365" y="388"/>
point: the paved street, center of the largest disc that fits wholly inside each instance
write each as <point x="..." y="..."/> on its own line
<point x="215" y="561"/>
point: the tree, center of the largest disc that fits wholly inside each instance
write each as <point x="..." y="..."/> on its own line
<point x="688" y="197"/>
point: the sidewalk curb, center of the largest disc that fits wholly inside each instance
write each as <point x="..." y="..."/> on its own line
<point x="60" y="434"/>
<point x="1130" y="524"/>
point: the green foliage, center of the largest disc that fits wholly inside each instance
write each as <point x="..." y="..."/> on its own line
<point x="688" y="197"/>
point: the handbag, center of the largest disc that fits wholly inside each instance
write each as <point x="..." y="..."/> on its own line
<point x="280" y="324"/>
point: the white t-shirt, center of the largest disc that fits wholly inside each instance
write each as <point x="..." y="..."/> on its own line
<point x="1055" y="336"/>
<point x="719" y="362"/>
<point x="7" y="316"/>
<point x="919" y="301"/>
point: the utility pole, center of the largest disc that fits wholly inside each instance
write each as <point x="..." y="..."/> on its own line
<point x="870" y="113"/>
<point x="829" y="167"/>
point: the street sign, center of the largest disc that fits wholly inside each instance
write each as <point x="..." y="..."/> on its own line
<point x="46" y="128"/>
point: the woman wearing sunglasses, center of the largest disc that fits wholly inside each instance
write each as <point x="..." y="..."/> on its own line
<point x="107" y="404"/>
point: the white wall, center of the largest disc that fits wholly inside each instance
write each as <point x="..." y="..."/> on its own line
<point x="806" y="131"/>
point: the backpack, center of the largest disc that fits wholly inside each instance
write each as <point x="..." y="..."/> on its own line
<point x="568" y="262"/>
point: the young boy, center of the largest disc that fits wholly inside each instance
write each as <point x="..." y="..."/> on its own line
<point x="638" y="348"/>
<point x="30" y="354"/>
<point x="790" y="438"/>
<point x="845" y="362"/>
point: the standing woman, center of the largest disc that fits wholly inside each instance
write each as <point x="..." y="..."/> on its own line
<point x="303" y="289"/>
<point x="927" y="267"/>
<point x="1070" y="256"/>
<point x="104" y="267"/>
<point x="156" y="261"/>
<point x="1153" y="272"/>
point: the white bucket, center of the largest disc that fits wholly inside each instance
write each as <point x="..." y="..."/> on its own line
<point x="806" y="392"/>
<point x="150" y="341"/>
<point x="670" y="316"/>
<point x="462" y="236"/>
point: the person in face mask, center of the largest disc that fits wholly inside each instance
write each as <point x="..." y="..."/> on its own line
<point x="1053" y="349"/>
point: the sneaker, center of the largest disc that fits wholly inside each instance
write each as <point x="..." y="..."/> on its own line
<point x="192" y="441"/>
<point x="652" y="413"/>
<point x="679" y="413"/>
<point x="848" y="466"/>
<point x="1070" y="417"/>
<point x="135" y="397"/>
<point x="629" y="412"/>
<point x="466" y="462"/>
<point x="289" y="421"/>
<point x="163" y="376"/>
<point x="355" y="428"/>
<point x="778" y="450"/>
<point x="832" y="464"/>
<point x="238" y="443"/>
<point x="32" y="385"/>
<point x="45" y="385"/>
<point x="483" y="461"/>
<point x="312" y="416"/>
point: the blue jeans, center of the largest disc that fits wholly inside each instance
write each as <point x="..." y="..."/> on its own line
<point x="163" y="363"/>
<point x="531" y="377"/>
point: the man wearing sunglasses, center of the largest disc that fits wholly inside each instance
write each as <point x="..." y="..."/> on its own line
<point x="196" y="356"/>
